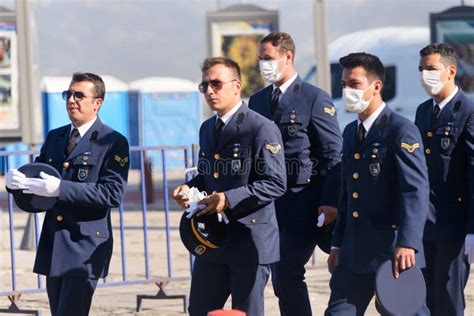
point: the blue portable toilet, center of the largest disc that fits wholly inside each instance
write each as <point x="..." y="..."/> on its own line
<point x="113" y="112"/>
<point x="164" y="112"/>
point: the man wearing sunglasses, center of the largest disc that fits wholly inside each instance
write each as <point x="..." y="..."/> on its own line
<point x="75" y="247"/>
<point x="312" y="140"/>
<point x="241" y="167"/>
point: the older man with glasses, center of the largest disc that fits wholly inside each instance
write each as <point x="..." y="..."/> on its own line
<point x="241" y="167"/>
<point x="75" y="247"/>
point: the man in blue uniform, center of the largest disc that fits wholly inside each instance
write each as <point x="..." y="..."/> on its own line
<point x="384" y="198"/>
<point x="241" y="167"/>
<point x="446" y="123"/>
<point x="312" y="140"/>
<point x="75" y="247"/>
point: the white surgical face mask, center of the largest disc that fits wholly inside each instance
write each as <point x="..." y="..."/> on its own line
<point x="431" y="81"/>
<point x="354" y="99"/>
<point x="269" y="70"/>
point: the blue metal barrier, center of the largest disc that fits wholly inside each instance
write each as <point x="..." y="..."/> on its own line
<point x="14" y="293"/>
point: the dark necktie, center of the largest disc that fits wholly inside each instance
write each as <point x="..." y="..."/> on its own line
<point x="434" y="114"/>
<point x="274" y="101"/>
<point x="72" y="141"/>
<point x="218" y="130"/>
<point x="360" y="133"/>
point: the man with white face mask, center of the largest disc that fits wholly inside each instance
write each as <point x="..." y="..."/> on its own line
<point x="312" y="145"/>
<point x="384" y="192"/>
<point x="446" y="123"/>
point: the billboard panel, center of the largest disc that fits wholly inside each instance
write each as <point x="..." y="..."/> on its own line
<point x="456" y="28"/>
<point x="9" y="106"/>
<point x="235" y="32"/>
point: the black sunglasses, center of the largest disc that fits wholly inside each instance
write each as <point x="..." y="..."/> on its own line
<point x="77" y="95"/>
<point x="215" y="84"/>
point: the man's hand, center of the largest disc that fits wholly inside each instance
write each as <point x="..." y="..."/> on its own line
<point x="404" y="258"/>
<point x="46" y="186"/>
<point x="333" y="259"/>
<point x="179" y="195"/>
<point x="330" y="213"/>
<point x="15" y="180"/>
<point x="216" y="203"/>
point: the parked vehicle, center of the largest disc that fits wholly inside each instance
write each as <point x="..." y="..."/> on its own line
<point x="398" y="49"/>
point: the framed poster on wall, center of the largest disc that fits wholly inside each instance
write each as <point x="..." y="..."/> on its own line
<point x="9" y="105"/>
<point x="236" y="32"/>
<point x="455" y="27"/>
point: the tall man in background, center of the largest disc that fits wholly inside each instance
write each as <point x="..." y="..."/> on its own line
<point x="312" y="141"/>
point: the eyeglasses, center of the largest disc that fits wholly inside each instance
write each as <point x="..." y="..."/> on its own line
<point x="215" y="84"/>
<point x="77" y="95"/>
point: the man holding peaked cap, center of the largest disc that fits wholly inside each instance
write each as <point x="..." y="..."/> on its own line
<point x="384" y="200"/>
<point x="23" y="197"/>
<point x="241" y="168"/>
<point x="92" y="159"/>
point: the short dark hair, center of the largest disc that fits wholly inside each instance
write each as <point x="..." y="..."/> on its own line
<point x="371" y="64"/>
<point x="449" y="55"/>
<point x="281" y="40"/>
<point x="226" y="61"/>
<point x="99" y="86"/>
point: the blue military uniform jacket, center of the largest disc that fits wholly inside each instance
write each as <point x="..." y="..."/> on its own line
<point x="248" y="166"/>
<point x="312" y="140"/>
<point x="76" y="239"/>
<point x="384" y="198"/>
<point x="449" y="149"/>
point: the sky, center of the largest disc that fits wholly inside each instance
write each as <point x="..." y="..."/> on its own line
<point x="134" y="39"/>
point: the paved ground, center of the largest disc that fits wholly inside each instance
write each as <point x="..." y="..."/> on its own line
<point x="122" y="300"/>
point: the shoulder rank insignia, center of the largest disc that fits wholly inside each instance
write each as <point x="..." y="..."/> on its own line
<point x="410" y="148"/>
<point x="331" y="111"/>
<point x="274" y="149"/>
<point x="121" y="161"/>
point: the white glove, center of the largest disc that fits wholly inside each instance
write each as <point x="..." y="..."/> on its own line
<point x="222" y="217"/>
<point x="469" y="247"/>
<point x="321" y="219"/>
<point x="193" y="209"/>
<point x="14" y="179"/>
<point x="193" y="195"/>
<point x="46" y="186"/>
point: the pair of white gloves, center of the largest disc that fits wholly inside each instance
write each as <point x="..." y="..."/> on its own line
<point x="45" y="186"/>
<point x="195" y="196"/>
